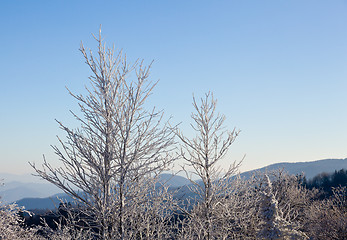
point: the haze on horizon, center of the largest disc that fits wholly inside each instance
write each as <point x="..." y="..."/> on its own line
<point x="277" y="68"/>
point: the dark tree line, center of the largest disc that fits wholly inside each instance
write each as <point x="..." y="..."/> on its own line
<point x="327" y="182"/>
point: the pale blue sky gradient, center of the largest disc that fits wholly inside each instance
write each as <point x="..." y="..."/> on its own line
<point x="277" y="68"/>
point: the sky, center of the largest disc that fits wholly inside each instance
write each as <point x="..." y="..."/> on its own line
<point x="277" y="68"/>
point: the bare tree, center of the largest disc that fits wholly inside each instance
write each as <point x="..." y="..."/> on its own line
<point x="110" y="164"/>
<point x="203" y="154"/>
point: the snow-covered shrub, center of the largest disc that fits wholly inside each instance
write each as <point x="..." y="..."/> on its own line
<point x="327" y="219"/>
<point x="11" y="224"/>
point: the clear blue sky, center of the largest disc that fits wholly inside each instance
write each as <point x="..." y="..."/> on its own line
<point x="277" y="68"/>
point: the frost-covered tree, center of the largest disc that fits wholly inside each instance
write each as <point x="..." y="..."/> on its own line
<point x="215" y="185"/>
<point x="110" y="163"/>
<point x="274" y="226"/>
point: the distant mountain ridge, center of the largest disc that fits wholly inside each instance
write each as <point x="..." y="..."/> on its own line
<point x="173" y="180"/>
<point x="15" y="190"/>
<point x="51" y="202"/>
<point x="309" y="169"/>
<point x="44" y="195"/>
